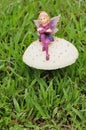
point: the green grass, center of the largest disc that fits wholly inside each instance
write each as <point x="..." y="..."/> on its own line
<point x="32" y="99"/>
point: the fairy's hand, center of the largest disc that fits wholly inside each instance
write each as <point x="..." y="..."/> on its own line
<point x="49" y="30"/>
<point x="39" y="29"/>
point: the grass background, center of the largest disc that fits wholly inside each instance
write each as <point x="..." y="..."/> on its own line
<point x="33" y="99"/>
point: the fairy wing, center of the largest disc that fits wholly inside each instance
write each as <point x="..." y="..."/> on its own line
<point x="53" y="23"/>
<point x="36" y="23"/>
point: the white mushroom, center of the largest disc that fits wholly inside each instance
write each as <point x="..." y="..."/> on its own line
<point x="62" y="53"/>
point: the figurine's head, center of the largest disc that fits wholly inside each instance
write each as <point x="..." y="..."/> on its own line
<point x="43" y="18"/>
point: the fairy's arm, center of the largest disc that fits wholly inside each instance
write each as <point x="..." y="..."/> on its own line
<point x="41" y="30"/>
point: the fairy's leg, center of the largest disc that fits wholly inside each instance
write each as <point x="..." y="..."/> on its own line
<point x="42" y="36"/>
<point x="46" y="48"/>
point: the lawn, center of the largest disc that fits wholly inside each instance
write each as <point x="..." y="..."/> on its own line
<point x="32" y="99"/>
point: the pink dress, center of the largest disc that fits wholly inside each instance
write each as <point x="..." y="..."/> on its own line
<point x="45" y="37"/>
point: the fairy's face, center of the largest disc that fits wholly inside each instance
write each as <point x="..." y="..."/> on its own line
<point x="44" y="19"/>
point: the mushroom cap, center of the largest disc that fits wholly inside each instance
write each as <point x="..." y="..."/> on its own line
<point x="62" y="53"/>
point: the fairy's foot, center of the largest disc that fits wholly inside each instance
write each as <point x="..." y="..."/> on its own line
<point x="47" y="57"/>
<point x="43" y="48"/>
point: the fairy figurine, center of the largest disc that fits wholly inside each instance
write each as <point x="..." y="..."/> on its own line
<point x="46" y="27"/>
<point x="49" y="52"/>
